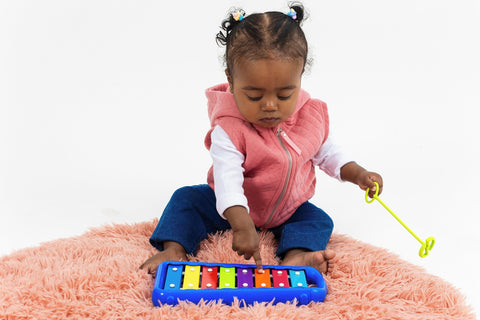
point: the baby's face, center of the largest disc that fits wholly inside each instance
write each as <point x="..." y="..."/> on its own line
<point x="266" y="90"/>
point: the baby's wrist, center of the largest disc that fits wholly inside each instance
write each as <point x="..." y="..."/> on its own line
<point x="352" y="172"/>
<point x="239" y="218"/>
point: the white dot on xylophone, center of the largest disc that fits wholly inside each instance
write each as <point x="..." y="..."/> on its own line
<point x="227" y="270"/>
<point x="227" y="284"/>
<point x="190" y="284"/>
<point x="175" y="269"/>
<point x="209" y="285"/>
<point x="244" y="270"/>
<point x="281" y="284"/>
<point x="209" y="269"/>
<point x="299" y="284"/>
<point x="279" y="272"/>
<point x="263" y="284"/>
<point x="297" y="273"/>
<point x="245" y="284"/>
<point x="192" y="269"/>
<point x="172" y="285"/>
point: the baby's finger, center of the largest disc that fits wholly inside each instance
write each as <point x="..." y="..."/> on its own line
<point x="372" y="189"/>
<point x="376" y="179"/>
<point x="380" y="184"/>
<point x="258" y="261"/>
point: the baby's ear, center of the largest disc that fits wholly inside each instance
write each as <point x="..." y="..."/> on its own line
<point x="229" y="79"/>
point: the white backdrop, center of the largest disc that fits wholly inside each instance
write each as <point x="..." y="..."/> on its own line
<point x="102" y="116"/>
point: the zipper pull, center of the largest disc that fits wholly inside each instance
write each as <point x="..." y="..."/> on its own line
<point x="289" y="141"/>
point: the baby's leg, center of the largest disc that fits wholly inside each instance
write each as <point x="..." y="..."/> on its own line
<point x="188" y="218"/>
<point x="172" y="251"/>
<point x="303" y="239"/>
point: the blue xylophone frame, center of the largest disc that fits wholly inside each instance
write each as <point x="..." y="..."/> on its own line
<point x="247" y="296"/>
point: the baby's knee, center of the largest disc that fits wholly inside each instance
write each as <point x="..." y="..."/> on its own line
<point x="183" y="192"/>
<point x="196" y="192"/>
<point x="329" y="222"/>
<point x="324" y="222"/>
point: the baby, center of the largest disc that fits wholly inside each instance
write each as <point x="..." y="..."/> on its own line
<point x="266" y="137"/>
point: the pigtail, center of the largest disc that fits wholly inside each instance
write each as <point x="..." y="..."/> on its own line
<point x="299" y="10"/>
<point x="234" y="17"/>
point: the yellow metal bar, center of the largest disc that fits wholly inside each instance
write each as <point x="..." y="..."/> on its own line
<point x="227" y="277"/>
<point x="191" y="279"/>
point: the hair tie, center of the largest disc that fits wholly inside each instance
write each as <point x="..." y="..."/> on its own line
<point x="237" y="16"/>
<point x="292" y="14"/>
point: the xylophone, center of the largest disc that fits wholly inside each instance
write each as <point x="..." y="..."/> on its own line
<point x="193" y="281"/>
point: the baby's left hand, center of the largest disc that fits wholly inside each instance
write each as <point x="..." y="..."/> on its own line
<point x="367" y="179"/>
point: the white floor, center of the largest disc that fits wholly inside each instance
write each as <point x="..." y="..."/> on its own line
<point x="102" y="117"/>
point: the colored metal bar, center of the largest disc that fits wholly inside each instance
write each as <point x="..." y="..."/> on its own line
<point x="227" y="278"/>
<point x="209" y="277"/>
<point x="173" y="279"/>
<point x="191" y="278"/>
<point x="297" y="278"/>
<point x="262" y="280"/>
<point x="244" y="278"/>
<point x="280" y="278"/>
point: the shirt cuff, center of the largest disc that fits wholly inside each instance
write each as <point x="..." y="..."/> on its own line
<point x="229" y="200"/>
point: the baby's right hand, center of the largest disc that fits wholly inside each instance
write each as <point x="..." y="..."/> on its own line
<point x="245" y="237"/>
<point x="246" y="243"/>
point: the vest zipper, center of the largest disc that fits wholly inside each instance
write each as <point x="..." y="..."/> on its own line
<point x="289" y="141"/>
<point x="280" y="133"/>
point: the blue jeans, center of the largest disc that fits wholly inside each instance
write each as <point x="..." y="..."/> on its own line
<point x="191" y="215"/>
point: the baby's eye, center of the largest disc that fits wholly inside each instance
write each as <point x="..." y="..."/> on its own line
<point x="284" y="97"/>
<point x="254" y="98"/>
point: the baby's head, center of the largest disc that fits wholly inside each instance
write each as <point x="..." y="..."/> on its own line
<point x="265" y="54"/>
<point x="269" y="35"/>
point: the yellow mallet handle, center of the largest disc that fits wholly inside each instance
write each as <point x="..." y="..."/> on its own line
<point x="427" y="245"/>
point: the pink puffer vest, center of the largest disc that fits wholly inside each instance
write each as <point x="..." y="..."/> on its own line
<point x="279" y="175"/>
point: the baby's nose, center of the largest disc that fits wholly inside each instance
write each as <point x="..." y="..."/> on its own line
<point x="269" y="105"/>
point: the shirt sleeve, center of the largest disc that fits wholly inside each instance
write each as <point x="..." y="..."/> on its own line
<point x="330" y="158"/>
<point x="227" y="172"/>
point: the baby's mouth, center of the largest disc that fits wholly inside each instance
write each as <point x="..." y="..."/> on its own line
<point x="269" y="120"/>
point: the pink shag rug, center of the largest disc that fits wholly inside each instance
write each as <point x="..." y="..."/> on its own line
<point x="96" y="276"/>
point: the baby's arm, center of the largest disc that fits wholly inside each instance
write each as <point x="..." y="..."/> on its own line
<point x="245" y="237"/>
<point x="231" y="201"/>
<point x="336" y="163"/>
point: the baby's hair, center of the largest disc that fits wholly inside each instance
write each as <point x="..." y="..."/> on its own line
<point x="268" y="35"/>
